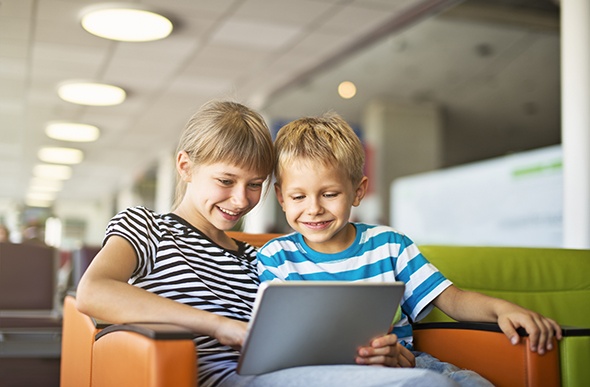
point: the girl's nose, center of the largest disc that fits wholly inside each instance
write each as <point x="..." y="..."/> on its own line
<point x="239" y="197"/>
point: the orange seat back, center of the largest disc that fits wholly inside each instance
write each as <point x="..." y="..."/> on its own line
<point x="76" y="347"/>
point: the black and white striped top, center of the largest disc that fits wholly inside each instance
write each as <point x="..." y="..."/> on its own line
<point x="177" y="261"/>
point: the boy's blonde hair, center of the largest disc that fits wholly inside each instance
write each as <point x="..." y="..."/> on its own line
<point x="326" y="139"/>
<point x="228" y="132"/>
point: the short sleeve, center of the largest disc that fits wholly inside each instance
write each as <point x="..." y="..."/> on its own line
<point x="139" y="227"/>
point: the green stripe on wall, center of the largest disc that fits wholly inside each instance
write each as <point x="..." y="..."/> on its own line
<point x="538" y="168"/>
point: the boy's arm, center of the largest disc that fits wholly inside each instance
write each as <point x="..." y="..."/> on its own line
<point x="463" y="305"/>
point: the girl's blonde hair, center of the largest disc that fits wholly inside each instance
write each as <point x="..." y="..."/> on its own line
<point x="228" y="132"/>
<point x="327" y="139"/>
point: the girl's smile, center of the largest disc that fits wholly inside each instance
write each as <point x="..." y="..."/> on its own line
<point x="218" y="195"/>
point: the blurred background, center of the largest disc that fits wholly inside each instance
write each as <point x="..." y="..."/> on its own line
<point x="440" y="92"/>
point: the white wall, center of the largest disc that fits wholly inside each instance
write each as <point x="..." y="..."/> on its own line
<point x="94" y="215"/>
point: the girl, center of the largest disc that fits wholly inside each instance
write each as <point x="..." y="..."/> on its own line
<point x="182" y="268"/>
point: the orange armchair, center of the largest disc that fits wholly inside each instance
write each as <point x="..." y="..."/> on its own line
<point x="484" y="348"/>
<point x="162" y="355"/>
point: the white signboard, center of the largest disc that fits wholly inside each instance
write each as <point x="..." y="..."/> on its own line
<point x="514" y="200"/>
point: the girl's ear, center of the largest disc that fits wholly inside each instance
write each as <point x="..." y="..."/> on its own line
<point x="184" y="166"/>
<point x="279" y="194"/>
<point x="361" y="191"/>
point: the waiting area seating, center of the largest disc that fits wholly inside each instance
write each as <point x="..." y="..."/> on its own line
<point x="30" y="320"/>
<point x="551" y="281"/>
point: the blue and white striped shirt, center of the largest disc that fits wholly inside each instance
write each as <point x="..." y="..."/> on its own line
<point x="378" y="254"/>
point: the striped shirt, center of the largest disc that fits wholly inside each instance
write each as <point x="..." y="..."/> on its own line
<point x="378" y="254"/>
<point x="177" y="261"/>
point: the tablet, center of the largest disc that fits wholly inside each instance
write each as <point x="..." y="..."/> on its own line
<point x="299" y="323"/>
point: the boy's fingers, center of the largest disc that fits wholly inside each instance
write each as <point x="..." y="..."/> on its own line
<point x="509" y="331"/>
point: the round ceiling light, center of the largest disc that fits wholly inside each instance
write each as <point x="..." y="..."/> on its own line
<point x="57" y="155"/>
<point x="70" y="131"/>
<point x="125" y="22"/>
<point x="90" y="93"/>
<point x="346" y="90"/>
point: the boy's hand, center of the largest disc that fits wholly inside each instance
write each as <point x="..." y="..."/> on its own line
<point x="541" y="329"/>
<point x="386" y="351"/>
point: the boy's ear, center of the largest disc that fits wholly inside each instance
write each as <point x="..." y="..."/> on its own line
<point x="361" y="191"/>
<point x="279" y="194"/>
<point x="184" y="166"/>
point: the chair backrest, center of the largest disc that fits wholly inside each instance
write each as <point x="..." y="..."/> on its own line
<point x="81" y="259"/>
<point x="551" y="281"/>
<point x="27" y="277"/>
<point x="256" y="240"/>
<point x="78" y="334"/>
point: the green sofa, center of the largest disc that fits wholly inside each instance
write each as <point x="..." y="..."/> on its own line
<point x="554" y="282"/>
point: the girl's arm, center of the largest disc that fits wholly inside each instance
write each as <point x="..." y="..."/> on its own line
<point x="463" y="305"/>
<point x="103" y="292"/>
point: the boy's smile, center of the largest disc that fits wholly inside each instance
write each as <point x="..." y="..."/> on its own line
<point x="317" y="200"/>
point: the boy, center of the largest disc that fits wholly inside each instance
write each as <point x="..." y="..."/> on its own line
<point x="319" y="178"/>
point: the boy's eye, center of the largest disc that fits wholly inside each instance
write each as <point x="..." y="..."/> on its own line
<point x="298" y="197"/>
<point x="330" y="195"/>
<point x="255" y="185"/>
<point x="225" y="181"/>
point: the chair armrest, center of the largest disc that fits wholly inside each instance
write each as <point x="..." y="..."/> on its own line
<point x="483" y="348"/>
<point x="144" y="355"/>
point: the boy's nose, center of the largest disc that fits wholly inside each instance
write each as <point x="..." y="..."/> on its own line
<point x="314" y="208"/>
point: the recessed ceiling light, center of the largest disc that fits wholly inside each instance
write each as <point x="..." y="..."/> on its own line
<point x="48" y="171"/>
<point x="90" y="93"/>
<point x="31" y="202"/>
<point x="125" y="22"/>
<point x="346" y="90"/>
<point x="69" y="131"/>
<point x="38" y="184"/>
<point x="58" y="155"/>
<point x="41" y="196"/>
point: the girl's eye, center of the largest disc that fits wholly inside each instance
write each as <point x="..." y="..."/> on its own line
<point x="225" y="181"/>
<point x="255" y="185"/>
<point x="299" y="197"/>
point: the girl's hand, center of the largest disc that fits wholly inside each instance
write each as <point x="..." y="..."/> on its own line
<point x="386" y="351"/>
<point x="231" y="332"/>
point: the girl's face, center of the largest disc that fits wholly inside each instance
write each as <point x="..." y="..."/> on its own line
<point x="317" y="201"/>
<point x="218" y="195"/>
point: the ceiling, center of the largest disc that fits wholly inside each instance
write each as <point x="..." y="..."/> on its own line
<point x="493" y="67"/>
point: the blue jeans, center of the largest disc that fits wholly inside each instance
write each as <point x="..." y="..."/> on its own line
<point x="343" y="376"/>
<point x="464" y="378"/>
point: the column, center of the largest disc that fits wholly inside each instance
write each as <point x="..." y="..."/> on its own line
<point x="575" y="102"/>
<point x="401" y="139"/>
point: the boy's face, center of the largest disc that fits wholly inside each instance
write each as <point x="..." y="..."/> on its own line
<point x="317" y="201"/>
<point x="220" y="194"/>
